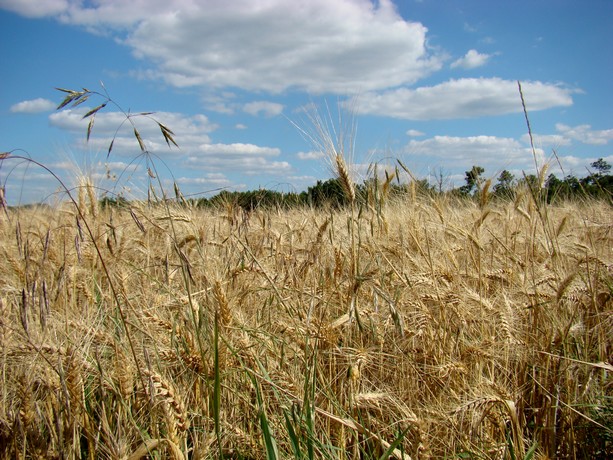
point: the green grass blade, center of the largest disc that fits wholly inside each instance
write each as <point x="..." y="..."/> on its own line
<point x="269" y="440"/>
<point x="295" y="442"/>
<point x="393" y="445"/>
<point x="531" y="451"/>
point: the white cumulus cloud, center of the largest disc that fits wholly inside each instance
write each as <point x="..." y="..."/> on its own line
<point x="33" y="106"/>
<point x="344" y="46"/>
<point x="463" y="98"/>
<point x="36" y="8"/>
<point x="189" y="131"/>
<point x="196" y="149"/>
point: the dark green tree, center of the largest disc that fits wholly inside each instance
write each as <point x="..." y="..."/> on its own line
<point x="601" y="166"/>
<point x="328" y="193"/>
<point x="473" y="180"/>
<point x="505" y="185"/>
<point x="562" y="189"/>
<point x="599" y="183"/>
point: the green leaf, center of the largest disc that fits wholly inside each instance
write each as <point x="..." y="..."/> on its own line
<point x="292" y="436"/>
<point x="269" y="440"/>
<point x="393" y="445"/>
<point x="531" y="451"/>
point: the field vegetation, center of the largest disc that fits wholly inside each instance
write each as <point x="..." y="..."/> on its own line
<point x="397" y="324"/>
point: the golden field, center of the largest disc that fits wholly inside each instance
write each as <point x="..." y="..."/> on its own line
<point x="425" y="328"/>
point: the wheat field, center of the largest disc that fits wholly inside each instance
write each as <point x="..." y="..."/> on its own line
<point x="429" y="328"/>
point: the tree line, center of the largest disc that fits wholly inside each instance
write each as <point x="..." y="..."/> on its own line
<point x="373" y="191"/>
<point x="597" y="184"/>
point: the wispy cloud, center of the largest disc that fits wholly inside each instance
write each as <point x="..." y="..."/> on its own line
<point x="244" y="158"/>
<point x="206" y="181"/>
<point x="473" y="148"/>
<point x="469" y="28"/>
<point x="268" y="109"/>
<point x="471" y="60"/>
<point x="248" y="159"/>
<point x="547" y="140"/>
<point x="236" y="150"/>
<point x="585" y="134"/>
<point x="33" y="106"/>
<point x="415" y="133"/>
<point x="455" y="153"/>
<point x="312" y="155"/>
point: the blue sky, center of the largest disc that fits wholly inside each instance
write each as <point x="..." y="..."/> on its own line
<point x="432" y="83"/>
